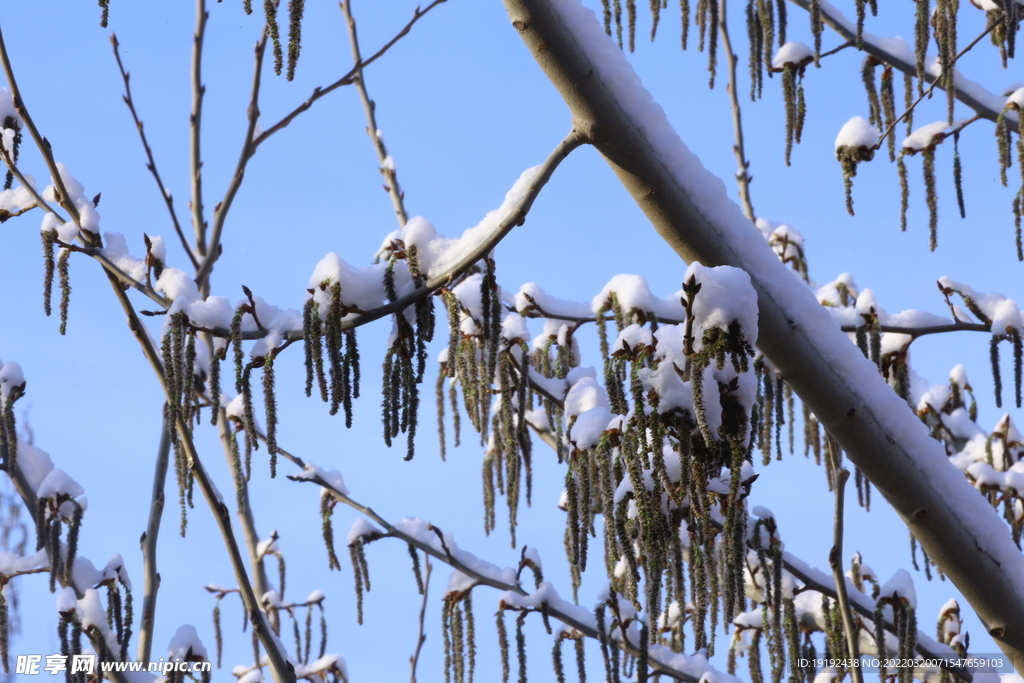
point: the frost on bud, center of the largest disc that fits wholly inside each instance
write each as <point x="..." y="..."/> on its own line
<point x="855" y="143"/>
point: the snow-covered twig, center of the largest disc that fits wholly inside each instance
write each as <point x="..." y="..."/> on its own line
<point x="515" y="217"/>
<point x="195" y="127"/>
<point x="151" y="165"/>
<point x="149" y="546"/>
<point x="387" y="167"/>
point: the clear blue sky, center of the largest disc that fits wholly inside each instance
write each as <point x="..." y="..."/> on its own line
<point x="464" y="110"/>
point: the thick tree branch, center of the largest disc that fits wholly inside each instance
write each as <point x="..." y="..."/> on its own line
<point x="690" y="209"/>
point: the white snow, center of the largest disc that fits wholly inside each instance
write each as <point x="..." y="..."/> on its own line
<point x="186" y="645"/>
<point x="362" y="528"/>
<point x="793" y="53"/>
<point x="857" y="132"/>
<point x="901" y="586"/>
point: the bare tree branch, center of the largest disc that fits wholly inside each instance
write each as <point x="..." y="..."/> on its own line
<point x="348" y="78"/>
<point x="195" y="127"/>
<point x="151" y="164"/>
<point x="149" y="546"/>
<point x="369" y="108"/>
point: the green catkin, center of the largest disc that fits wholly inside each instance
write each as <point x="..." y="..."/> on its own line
<point x="298" y="640"/>
<point x="470" y="634"/>
<point x="309" y="633"/>
<point x="236" y="344"/>
<point x="684" y="11"/>
<point x="631" y="18"/>
<point x="997" y="379"/>
<point x="217" y="633"/>
<point x="817" y="27"/>
<point x="1003" y="140"/>
<point x="323" y="633"/>
<point x="308" y="311"/>
<point x="641" y="662"/>
<point x="888" y="101"/>
<point x="215" y="385"/>
<point x="789" y="97"/>
<point x="755" y="38"/>
<point x="608" y="17"/>
<point x="502" y="644"/>
<point x="249" y="418"/>
<point x="754" y="657"/>
<point x="1018" y="365"/>
<point x="921" y="41"/>
<point x="868" y="77"/>
<point x="958" y="184"/>
<point x="580" y="659"/>
<point x="73" y="529"/>
<point x="931" y="195"/>
<point x="49" y="265"/>
<point x="602" y="638"/>
<point x="63" y="263"/>
<point x="358" y="562"/>
<point x="713" y="42"/>
<point x="273" y="31"/>
<point x="618" y="22"/>
<point x="333" y="344"/>
<point x="295" y="9"/>
<point x="270" y="403"/>
<point x="326" y="512"/>
<point x="556" y="655"/>
<point x="104" y="18"/>
<point x="764" y="10"/>
<point x="904" y="191"/>
<point x="188" y="375"/>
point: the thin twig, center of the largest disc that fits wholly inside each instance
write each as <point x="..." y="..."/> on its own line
<point x="149" y="546"/>
<point x="835" y="559"/>
<point x="928" y="93"/>
<point x="348" y="78"/>
<point x="421" y="637"/>
<point x="151" y="165"/>
<point x="195" y="120"/>
<point x="387" y="168"/>
<point x="743" y="177"/>
<point x="220" y="212"/>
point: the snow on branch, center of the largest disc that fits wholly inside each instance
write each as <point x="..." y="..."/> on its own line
<point x="691" y="209"/>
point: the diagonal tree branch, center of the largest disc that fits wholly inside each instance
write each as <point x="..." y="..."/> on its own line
<point x="690" y="209"/>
